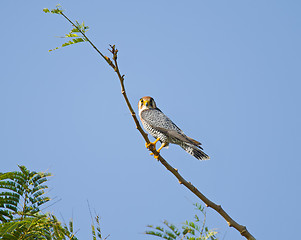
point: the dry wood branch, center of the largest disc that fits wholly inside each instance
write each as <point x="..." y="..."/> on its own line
<point x="242" y="229"/>
<point x="114" y="64"/>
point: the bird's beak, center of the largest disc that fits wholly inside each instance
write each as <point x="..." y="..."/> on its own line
<point x="146" y="104"/>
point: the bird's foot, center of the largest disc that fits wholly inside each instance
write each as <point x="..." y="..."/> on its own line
<point x="149" y="145"/>
<point x="156" y="155"/>
<point x="152" y="144"/>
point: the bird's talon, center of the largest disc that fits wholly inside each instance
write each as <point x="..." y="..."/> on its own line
<point x="156" y="155"/>
<point x="150" y="145"/>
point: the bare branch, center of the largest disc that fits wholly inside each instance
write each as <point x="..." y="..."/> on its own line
<point x="114" y="64"/>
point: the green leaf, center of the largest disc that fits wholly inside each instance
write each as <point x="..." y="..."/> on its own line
<point x="71" y="35"/>
<point x="23" y="219"/>
<point x="190" y="230"/>
<point x="57" y="10"/>
<point x="73" y="41"/>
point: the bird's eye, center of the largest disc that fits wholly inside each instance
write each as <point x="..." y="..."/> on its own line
<point x="141" y="102"/>
<point x="151" y="103"/>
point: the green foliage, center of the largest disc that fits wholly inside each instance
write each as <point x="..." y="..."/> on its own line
<point x="97" y="234"/>
<point x="77" y="34"/>
<point x="35" y="228"/>
<point x="57" y="10"/>
<point x="189" y="230"/>
<point x="20" y="201"/>
<point x="23" y="193"/>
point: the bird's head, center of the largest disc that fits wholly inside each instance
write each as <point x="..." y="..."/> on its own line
<point x="146" y="103"/>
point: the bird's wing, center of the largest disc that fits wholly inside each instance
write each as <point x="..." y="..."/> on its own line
<point x="180" y="136"/>
<point x="159" y="121"/>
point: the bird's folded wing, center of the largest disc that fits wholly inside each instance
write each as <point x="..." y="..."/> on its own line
<point x="180" y="136"/>
<point x="158" y="119"/>
<point x="160" y="122"/>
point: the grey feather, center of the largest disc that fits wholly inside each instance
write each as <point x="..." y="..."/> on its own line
<point x="197" y="153"/>
<point x="159" y="125"/>
<point x="159" y="121"/>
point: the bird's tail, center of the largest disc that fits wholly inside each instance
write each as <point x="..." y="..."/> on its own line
<point x="195" y="151"/>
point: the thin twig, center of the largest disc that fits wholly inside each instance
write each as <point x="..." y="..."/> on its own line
<point x="242" y="229"/>
<point x="84" y="35"/>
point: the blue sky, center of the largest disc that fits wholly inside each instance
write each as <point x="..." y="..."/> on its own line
<point x="226" y="72"/>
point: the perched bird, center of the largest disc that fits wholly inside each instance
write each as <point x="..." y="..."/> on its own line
<point x="165" y="131"/>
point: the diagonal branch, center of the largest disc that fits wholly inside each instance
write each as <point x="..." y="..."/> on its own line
<point x="114" y="64"/>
